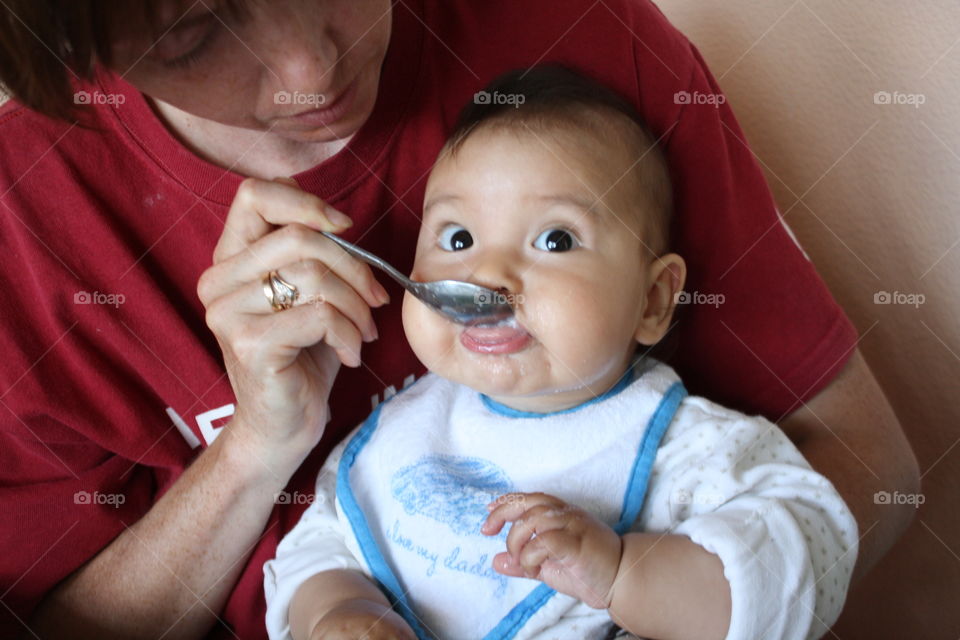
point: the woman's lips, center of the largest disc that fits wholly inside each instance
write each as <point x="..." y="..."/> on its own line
<point x="499" y="339"/>
<point x="327" y="114"/>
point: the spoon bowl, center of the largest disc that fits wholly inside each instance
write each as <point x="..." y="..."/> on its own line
<point x="464" y="303"/>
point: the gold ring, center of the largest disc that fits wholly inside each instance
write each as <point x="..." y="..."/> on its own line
<point x="279" y="293"/>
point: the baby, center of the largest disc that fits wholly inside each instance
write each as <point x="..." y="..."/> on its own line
<point x="629" y="501"/>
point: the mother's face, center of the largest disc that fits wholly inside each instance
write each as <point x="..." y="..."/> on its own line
<point x="306" y="70"/>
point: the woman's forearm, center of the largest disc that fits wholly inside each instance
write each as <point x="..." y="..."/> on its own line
<point x="669" y="588"/>
<point x="170" y="573"/>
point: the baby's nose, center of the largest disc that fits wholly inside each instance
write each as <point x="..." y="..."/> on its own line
<point x="500" y="271"/>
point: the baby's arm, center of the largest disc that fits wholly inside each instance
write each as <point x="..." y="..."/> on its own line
<point x="654" y="585"/>
<point x="756" y="544"/>
<point x="344" y="604"/>
<point x="315" y="587"/>
<point x="738" y="487"/>
<point x="669" y="587"/>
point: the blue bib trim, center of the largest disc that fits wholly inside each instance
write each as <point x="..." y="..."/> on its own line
<point x="368" y="546"/>
<point x="646" y="454"/>
<point x="511" y="624"/>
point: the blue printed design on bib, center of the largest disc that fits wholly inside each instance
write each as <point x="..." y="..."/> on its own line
<point x="454" y="490"/>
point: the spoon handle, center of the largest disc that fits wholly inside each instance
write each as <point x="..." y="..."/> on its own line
<point x="369" y="258"/>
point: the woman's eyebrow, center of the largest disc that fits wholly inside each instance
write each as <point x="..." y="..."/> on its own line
<point x="185" y="20"/>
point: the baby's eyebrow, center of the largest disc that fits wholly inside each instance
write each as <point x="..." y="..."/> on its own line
<point x="576" y="201"/>
<point x="444" y="198"/>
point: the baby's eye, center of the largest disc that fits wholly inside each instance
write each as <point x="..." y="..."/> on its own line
<point x="455" y="238"/>
<point x="556" y="240"/>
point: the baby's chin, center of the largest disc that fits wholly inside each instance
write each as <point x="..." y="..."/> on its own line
<point x="509" y="380"/>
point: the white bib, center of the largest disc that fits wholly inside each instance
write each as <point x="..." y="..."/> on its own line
<point x="431" y="459"/>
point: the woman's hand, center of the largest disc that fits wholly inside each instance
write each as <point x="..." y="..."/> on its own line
<point x="557" y="543"/>
<point x="282" y="364"/>
<point x="362" y="619"/>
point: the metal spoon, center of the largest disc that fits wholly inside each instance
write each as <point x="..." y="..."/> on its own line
<point x="462" y="302"/>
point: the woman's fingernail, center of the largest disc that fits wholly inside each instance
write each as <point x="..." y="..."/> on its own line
<point x="338" y="218"/>
<point x="380" y="293"/>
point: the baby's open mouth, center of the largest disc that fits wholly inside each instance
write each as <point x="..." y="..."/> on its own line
<point x="506" y="336"/>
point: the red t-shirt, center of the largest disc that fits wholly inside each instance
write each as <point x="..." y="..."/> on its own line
<point x="106" y="359"/>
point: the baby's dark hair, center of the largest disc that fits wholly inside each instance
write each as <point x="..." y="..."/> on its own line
<point x="549" y="97"/>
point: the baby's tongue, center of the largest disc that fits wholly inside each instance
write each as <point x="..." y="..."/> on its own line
<point x="501" y="338"/>
<point x="497" y="333"/>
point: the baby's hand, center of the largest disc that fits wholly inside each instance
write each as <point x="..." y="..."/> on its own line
<point x="562" y="545"/>
<point x="362" y="619"/>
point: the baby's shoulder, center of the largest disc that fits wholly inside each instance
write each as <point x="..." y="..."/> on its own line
<point x="697" y="410"/>
<point x="703" y="425"/>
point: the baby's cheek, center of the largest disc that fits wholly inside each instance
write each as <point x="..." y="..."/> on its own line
<point x="593" y="344"/>
<point x="427" y="333"/>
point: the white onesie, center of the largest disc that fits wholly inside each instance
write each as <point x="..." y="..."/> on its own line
<point x="403" y="497"/>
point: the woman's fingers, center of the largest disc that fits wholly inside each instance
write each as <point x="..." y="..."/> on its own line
<point x="284" y="246"/>
<point x="270" y="343"/>
<point x="316" y="286"/>
<point x="262" y="205"/>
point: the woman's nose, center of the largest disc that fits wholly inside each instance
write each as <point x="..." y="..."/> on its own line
<point x="302" y="58"/>
<point x="306" y="70"/>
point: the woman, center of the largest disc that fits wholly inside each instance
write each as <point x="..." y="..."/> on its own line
<point x="134" y="511"/>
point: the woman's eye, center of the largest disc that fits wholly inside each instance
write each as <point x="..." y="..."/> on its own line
<point x="455" y="238"/>
<point x="556" y="240"/>
<point x="184" y="47"/>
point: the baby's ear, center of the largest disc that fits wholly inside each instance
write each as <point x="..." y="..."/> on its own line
<point x="666" y="276"/>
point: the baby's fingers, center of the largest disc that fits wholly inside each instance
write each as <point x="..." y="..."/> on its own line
<point x="537" y="521"/>
<point x="510" y="507"/>
<point x="553" y="546"/>
<point x="504" y="563"/>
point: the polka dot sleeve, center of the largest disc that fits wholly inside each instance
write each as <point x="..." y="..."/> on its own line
<point x="739" y="488"/>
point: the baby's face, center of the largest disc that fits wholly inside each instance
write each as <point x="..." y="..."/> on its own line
<point x="552" y="226"/>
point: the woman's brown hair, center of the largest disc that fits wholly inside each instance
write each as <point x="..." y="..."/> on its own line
<point x="46" y="46"/>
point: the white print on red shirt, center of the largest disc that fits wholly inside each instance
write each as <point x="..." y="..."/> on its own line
<point x="207" y="419"/>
